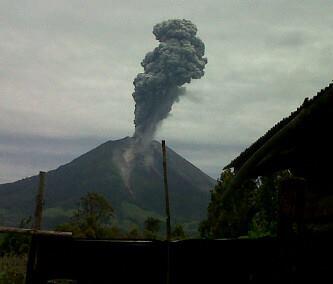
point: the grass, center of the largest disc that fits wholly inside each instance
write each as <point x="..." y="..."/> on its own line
<point x="13" y="269"/>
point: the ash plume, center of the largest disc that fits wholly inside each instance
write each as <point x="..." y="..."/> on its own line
<point x="177" y="60"/>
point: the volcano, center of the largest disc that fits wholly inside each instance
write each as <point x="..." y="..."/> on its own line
<point x="135" y="192"/>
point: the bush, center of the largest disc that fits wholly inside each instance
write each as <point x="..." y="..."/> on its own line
<point x="13" y="269"/>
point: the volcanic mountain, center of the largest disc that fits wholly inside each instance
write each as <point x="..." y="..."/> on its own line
<point x="135" y="192"/>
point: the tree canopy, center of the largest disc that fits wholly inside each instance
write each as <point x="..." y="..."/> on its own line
<point x="251" y="211"/>
<point x="92" y="217"/>
<point x="151" y="227"/>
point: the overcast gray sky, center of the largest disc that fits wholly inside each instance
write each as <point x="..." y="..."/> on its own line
<point x="67" y="67"/>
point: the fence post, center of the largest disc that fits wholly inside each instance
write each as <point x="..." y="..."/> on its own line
<point x="39" y="202"/>
<point x="166" y="190"/>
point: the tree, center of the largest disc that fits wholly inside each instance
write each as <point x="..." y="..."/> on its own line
<point x="16" y="244"/>
<point x="151" y="227"/>
<point x="264" y="220"/>
<point x="92" y="217"/>
<point x="133" y="234"/>
<point x="251" y="211"/>
<point x="178" y="232"/>
<point x="228" y="220"/>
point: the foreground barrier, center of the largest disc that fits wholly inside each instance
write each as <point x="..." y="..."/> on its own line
<point x="179" y="262"/>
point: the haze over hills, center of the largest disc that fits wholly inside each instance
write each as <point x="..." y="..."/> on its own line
<point x="135" y="193"/>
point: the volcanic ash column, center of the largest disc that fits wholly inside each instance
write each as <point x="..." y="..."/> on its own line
<point x="177" y="60"/>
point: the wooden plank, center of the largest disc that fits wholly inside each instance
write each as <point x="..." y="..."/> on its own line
<point x="33" y="232"/>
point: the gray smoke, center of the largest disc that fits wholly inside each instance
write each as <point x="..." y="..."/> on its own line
<point x="177" y="60"/>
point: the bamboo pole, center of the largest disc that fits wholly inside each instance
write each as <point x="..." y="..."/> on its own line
<point x="166" y="190"/>
<point x="33" y="232"/>
<point x="39" y="202"/>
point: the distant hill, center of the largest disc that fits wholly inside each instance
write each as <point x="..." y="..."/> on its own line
<point x="101" y="170"/>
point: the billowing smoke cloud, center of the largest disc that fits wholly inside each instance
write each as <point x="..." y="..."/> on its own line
<point x="177" y="60"/>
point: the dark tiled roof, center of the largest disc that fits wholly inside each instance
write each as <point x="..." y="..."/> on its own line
<point x="247" y="153"/>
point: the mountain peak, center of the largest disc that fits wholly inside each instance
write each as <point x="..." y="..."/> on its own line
<point x="123" y="177"/>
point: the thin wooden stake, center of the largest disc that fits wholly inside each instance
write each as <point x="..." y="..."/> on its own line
<point x="39" y="202"/>
<point x="166" y="189"/>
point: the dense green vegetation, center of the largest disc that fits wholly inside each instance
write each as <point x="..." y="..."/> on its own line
<point x="13" y="255"/>
<point x="13" y="269"/>
<point x="94" y="218"/>
<point x="251" y="211"/>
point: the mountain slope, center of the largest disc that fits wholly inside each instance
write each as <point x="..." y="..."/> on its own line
<point x="101" y="170"/>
